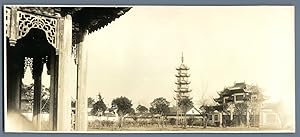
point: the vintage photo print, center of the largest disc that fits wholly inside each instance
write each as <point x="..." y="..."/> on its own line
<point x="149" y="69"/>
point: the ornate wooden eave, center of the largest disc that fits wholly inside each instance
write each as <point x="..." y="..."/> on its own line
<point x="84" y="19"/>
<point x="90" y="19"/>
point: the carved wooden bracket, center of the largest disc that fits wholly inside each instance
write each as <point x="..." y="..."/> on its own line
<point x="18" y="24"/>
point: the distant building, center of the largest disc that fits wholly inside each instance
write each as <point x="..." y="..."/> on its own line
<point x="241" y="104"/>
<point x="193" y="113"/>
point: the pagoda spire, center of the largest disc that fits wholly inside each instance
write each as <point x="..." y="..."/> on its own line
<point x="182" y="58"/>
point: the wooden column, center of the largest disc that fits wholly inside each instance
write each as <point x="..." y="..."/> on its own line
<point x="64" y="75"/>
<point x="37" y="76"/>
<point x="221" y="119"/>
<point x="53" y="92"/>
<point x="37" y="103"/>
<point x="13" y="92"/>
<point x="18" y="91"/>
<point x="13" y="27"/>
<point x="81" y="105"/>
<point x="231" y="115"/>
<point x="13" y="77"/>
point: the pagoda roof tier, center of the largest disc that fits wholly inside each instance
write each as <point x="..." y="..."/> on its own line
<point x="84" y="19"/>
<point x="183" y="88"/>
<point x="182" y="75"/>
<point x="184" y="91"/>
<point x="182" y="67"/>
<point x="182" y="82"/>
<point x="181" y="97"/>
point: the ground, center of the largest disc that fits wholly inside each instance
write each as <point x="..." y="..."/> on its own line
<point x="187" y="129"/>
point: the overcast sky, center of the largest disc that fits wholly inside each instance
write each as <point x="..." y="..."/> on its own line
<point x="136" y="55"/>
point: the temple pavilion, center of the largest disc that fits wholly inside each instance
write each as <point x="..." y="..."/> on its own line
<point x="35" y="36"/>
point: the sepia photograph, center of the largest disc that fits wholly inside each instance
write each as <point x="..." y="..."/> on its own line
<point x="149" y="69"/>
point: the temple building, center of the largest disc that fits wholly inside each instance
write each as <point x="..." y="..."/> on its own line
<point x="242" y="104"/>
<point x="182" y="83"/>
<point x="35" y="36"/>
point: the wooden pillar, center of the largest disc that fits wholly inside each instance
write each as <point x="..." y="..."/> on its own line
<point x="53" y="92"/>
<point x="13" y="70"/>
<point x="64" y="75"/>
<point x="177" y="116"/>
<point x="81" y="104"/>
<point x="221" y="119"/>
<point x="17" y="97"/>
<point x="37" y="103"/>
<point x="13" y="27"/>
<point x="14" y="90"/>
<point x="37" y="76"/>
<point x="231" y="109"/>
<point x="247" y="118"/>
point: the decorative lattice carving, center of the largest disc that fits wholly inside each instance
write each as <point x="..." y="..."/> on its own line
<point x="28" y="62"/>
<point x="27" y="21"/>
<point x="7" y="21"/>
<point x="45" y="59"/>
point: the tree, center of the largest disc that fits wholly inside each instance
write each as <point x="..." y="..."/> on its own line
<point x="132" y="111"/>
<point x="123" y="106"/>
<point x="73" y="102"/>
<point x="27" y="93"/>
<point x="240" y="110"/>
<point x="254" y="103"/>
<point x="250" y="106"/>
<point x="99" y="107"/>
<point x="160" y="106"/>
<point x="185" y="104"/>
<point x="45" y="106"/>
<point x="141" y="109"/>
<point x="204" y="105"/>
<point x="91" y="102"/>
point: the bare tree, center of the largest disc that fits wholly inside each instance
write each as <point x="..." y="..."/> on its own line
<point x="204" y="103"/>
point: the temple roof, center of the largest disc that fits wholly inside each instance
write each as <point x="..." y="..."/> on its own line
<point x="238" y="86"/>
<point x="85" y="19"/>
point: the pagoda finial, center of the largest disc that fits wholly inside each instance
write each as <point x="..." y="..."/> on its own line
<point x="182" y="57"/>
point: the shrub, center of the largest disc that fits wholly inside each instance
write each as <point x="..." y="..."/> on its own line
<point x="172" y="121"/>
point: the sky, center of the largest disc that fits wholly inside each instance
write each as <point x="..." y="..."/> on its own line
<point x="136" y="55"/>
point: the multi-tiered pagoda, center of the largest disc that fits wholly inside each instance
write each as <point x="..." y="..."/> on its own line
<point x="182" y="90"/>
<point x="182" y="82"/>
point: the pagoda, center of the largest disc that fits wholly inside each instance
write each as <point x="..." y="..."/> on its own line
<point x="182" y="82"/>
<point x="182" y="90"/>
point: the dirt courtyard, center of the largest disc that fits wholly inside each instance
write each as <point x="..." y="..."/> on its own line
<point x="188" y="129"/>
